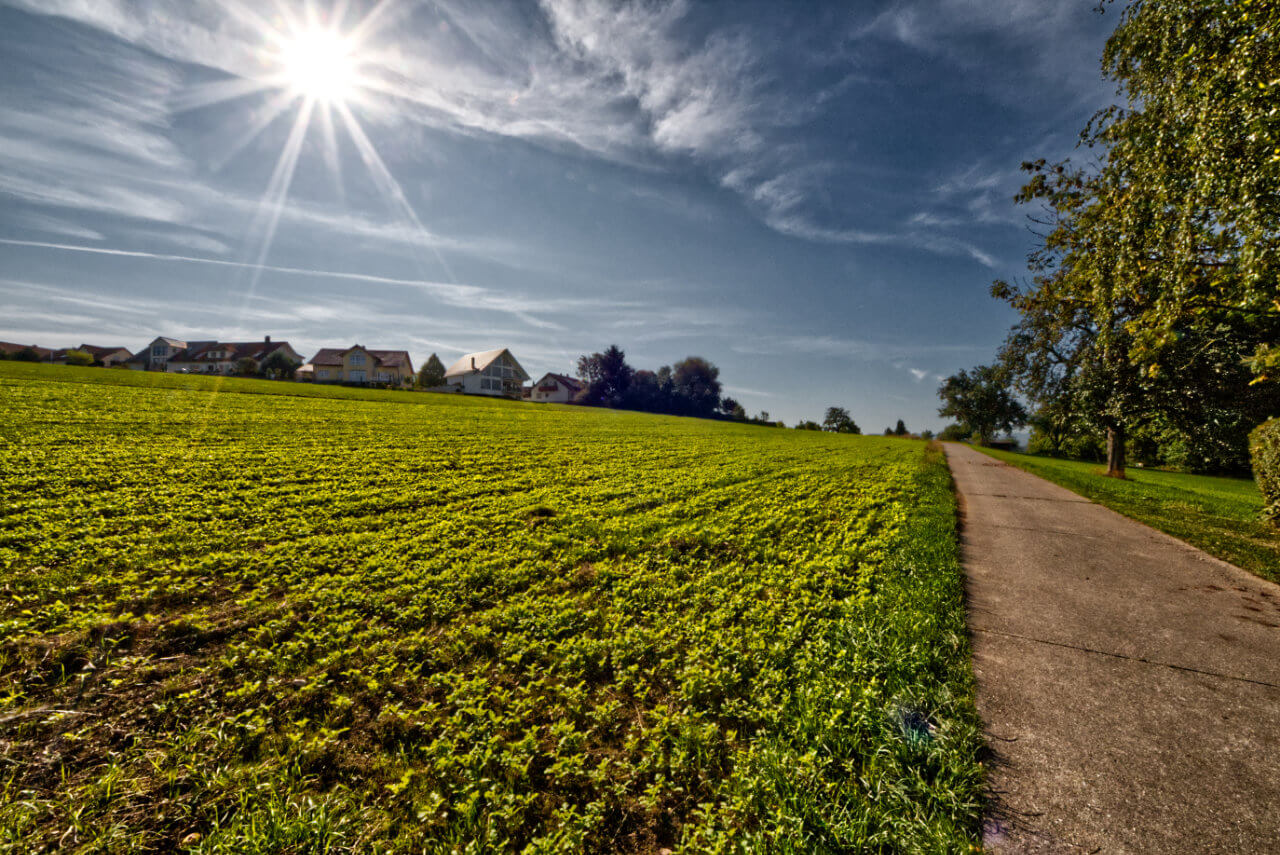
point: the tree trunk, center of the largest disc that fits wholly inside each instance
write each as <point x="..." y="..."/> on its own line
<point x="1115" y="452"/>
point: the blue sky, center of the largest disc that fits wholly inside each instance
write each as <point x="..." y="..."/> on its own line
<point x="813" y="196"/>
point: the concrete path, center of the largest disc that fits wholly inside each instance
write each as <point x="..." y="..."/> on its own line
<point x="1129" y="684"/>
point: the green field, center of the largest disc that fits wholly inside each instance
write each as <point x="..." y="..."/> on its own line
<point x="1222" y="516"/>
<point x="319" y="619"/>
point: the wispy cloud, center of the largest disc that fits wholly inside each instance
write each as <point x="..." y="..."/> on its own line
<point x="633" y="82"/>
<point x="527" y="308"/>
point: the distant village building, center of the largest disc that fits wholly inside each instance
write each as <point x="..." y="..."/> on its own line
<point x="107" y="356"/>
<point x="556" y="389"/>
<point x="488" y="372"/>
<point x="9" y="349"/>
<point x="358" y="364"/>
<point x="222" y="357"/>
<point x="155" y="356"/>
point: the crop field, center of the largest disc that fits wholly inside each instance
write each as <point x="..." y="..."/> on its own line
<point x="385" y="622"/>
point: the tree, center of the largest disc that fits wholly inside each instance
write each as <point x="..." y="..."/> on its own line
<point x="246" y="366"/>
<point x="431" y="374"/>
<point x="982" y="401"/>
<point x="1072" y="354"/>
<point x="926" y="434"/>
<point x="277" y="366"/>
<point x="954" y="433"/>
<point x="808" y="424"/>
<point x="78" y="357"/>
<point x="730" y="407"/>
<point x="900" y="429"/>
<point x="1197" y="151"/>
<point x="696" y="385"/>
<point x="838" y="420"/>
<point x="26" y="354"/>
<point x="607" y="376"/>
<point x="645" y="393"/>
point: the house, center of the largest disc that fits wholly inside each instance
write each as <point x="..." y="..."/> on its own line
<point x="556" y="389"/>
<point x="11" y="349"/>
<point x="107" y="357"/>
<point x="155" y="356"/>
<point x="358" y="364"/>
<point x="489" y="372"/>
<point x="221" y="357"/>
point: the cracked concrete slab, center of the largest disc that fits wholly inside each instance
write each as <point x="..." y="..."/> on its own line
<point x="1129" y="683"/>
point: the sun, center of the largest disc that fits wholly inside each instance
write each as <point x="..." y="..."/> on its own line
<point x="320" y="65"/>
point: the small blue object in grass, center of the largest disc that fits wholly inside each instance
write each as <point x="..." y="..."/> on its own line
<point x="914" y="726"/>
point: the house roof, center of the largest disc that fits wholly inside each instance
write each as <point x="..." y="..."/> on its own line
<point x="100" y="351"/>
<point x="202" y="351"/>
<point x="571" y="383"/>
<point x="472" y="363"/>
<point x="144" y="355"/>
<point x="13" y="347"/>
<point x="385" y="358"/>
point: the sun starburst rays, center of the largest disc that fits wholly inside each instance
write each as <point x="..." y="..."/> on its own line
<point x="310" y="59"/>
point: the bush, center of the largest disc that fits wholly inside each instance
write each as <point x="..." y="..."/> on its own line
<point x="1264" y="448"/>
<point x="78" y="357"/>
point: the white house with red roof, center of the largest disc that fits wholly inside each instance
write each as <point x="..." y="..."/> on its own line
<point x="556" y="389"/>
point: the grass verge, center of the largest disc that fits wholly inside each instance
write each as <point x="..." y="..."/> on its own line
<point x="1221" y="516"/>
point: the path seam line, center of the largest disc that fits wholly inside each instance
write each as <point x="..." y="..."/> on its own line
<point x="1129" y="658"/>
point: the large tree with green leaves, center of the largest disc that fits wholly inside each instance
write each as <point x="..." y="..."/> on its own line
<point x="982" y="401"/>
<point x="838" y="420"/>
<point x="1157" y="274"/>
<point x="1195" y="150"/>
<point x="607" y="375"/>
<point x="431" y="375"/>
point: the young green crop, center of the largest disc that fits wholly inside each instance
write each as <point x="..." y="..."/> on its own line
<point x="413" y="622"/>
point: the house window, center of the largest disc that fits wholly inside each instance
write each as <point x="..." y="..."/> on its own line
<point x="323" y="373"/>
<point x="158" y="350"/>
<point x="357" y="359"/>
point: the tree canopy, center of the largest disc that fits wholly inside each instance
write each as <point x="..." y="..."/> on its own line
<point x="432" y="373"/>
<point x="982" y="401"/>
<point x="1154" y="286"/>
<point x="607" y="375"/>
<point x="277" y="366"/>
<point x="838" y="420"/>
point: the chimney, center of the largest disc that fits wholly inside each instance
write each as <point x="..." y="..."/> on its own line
<point x="266" y="339"/>
<point x="473" y="363"/>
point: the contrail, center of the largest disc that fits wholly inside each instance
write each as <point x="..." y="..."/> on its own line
<point x="243" y="265"/>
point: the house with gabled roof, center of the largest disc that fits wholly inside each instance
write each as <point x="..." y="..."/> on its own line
<point x="155" y="356"/>
<point x="12" y="348"/>
<point x="104" y="356"/>
<point x="107" y="355"/>
<point x="487" y="372"/>
<point x="358" y="364"/>
<point x="556" y="389"/>
<point x="221" y="357"/>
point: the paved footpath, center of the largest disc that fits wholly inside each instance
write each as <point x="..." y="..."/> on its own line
<point x="1129" y="684"/>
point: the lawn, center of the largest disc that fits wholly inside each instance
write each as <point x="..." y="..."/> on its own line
<point x="1219" y="515"/>
<point x="342" y="620"/>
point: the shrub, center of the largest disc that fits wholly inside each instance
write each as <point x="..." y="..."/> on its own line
<point x="1264" y="448"/>
<point x="78" y="357"/>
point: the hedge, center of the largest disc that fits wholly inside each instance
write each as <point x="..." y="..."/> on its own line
<point x="1264" y="447"/>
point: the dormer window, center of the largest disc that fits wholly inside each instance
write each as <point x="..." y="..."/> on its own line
<point x="357" y="359"/>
